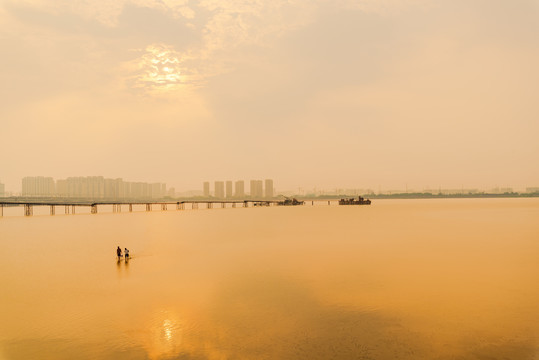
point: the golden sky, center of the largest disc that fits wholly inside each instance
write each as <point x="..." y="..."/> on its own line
<point x="325" y="93"/>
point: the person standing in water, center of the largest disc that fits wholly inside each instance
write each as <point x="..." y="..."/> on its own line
<point x="126" y="252"/>
<point x="119" y="253"/>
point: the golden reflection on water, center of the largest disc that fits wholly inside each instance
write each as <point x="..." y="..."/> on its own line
<point x="408" y="279"/>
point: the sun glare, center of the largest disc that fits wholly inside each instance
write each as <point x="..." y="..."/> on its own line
<point x="159" y="70"/>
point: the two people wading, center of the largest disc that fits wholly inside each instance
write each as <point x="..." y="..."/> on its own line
<point x="119" y="253"/>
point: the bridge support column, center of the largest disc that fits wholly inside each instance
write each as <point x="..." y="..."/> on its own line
<point x="164" y="207"/>
<point x="245" y="204"/>
<point x="194" y="206"/>
<point x="52" y="210"/>
<point x="93" y="209"/>
<point x="67" y="209"/>
<point x="130" y="207"/>
<point x="72" y="209"/>
<point x="210" y="206"/>
<point x="28" y="210"/>
<point x="234" y="205"/>
<point x="223" y="205"/>
<point x="177" y="206"/>
<point x="1" y="210"/>
<point x="148" y="207"/>
<point x="118" y="207"/>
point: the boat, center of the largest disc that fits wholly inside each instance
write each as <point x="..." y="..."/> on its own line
<point x="261" y="203"/>
<point x="290" y="202"/>
<point x="352" y="201"/>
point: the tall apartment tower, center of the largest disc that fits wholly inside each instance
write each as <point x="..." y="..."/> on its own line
<point x="240" y="189"/>
<point x="206" y="188"/>
<point x="228" y="189"/>
<point x="260" y="188"/>
<point x="257" y="190"/>
<point x="269" y="188"/>
<point x="220" y="189"/>
<point x="38" y="186"/>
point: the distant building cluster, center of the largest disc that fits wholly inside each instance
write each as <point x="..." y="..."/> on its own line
<point x="2" y="190"/>
<point x="94" y="187"/>
<point x="227" y="189"/>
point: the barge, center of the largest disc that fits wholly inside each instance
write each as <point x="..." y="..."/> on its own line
<point x="290" y="202"/>
<point x="352" y="201"/>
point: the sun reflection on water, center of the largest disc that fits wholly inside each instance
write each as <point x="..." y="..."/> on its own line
<point x="165" y="335"/>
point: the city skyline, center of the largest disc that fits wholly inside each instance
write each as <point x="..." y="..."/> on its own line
<point x="233" y="189"/>
<point x="95" y="187"/>
<point x="372" y="94"/>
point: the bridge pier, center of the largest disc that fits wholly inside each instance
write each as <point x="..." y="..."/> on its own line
<point x="148" y="207"/>
<point x="73" y="209"/>
<point x="209" y="205"/>
<point x="93" y="209"/>
<point x="130" y="207"/>
<point x="67" y="209"/>
<point x="28" y="210"/>
<point x="1" y="210"/>
<point x="233" y="204"/>
<point x="53" y="211"/>
<point x="163" y="207"/>
<point x="194" y="206"/>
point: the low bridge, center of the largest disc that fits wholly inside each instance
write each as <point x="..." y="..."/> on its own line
<point x="70" y="206"/>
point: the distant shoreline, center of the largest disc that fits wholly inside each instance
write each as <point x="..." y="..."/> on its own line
<point x="424" y="196"/>
<point x="403" y="196"/>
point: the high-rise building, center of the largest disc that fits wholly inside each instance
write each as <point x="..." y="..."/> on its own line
<point x="206" y="188"/>
<point x="257" y="189"/>
<point x="97" y="187"/>
<point x="155" y="190"/>
<point x="239" y="189"/>
<point x="269" y="188"/>
<point x="112" y="188"/>
<point x="38" y="186"/>
<point x="229" y="193"/>
<point x="219" y="189"/>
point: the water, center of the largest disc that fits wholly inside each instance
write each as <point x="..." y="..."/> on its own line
<point x="401" y="279"/>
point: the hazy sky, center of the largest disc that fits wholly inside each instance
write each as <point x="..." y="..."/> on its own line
<point x="326" y="93"/>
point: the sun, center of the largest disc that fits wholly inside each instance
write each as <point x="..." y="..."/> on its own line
<point x="159" y="69"/>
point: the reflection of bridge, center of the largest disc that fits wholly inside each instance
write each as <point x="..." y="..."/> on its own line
<point x="71" y="205"/>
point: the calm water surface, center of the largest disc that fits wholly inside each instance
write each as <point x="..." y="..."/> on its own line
<point x="401" y="279"/>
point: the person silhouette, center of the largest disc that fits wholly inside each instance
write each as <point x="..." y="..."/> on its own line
<point x="119" y="252"/>
<point x="126" y="252"/>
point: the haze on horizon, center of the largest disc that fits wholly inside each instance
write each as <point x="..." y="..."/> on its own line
<point x="309" y="93"/>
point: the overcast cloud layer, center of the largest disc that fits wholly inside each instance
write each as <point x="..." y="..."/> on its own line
<point x="310" y="93"/>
